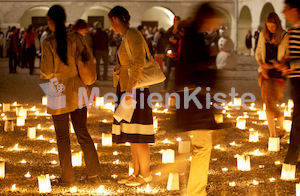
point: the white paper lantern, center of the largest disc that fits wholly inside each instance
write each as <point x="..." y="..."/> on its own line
<point x="44" y="183"/>
<point x="2" y="169"/>
<point x="274" y="144"/>
<point x="106" y="139"/>
<point x="287" y="112"/>
<point x="155" y="123"/>
<point x="243" y="163"/>
<point x="172" y="101"/>
<point x="20" y="121"/>
<point x="23" y="113"/>
<point x="44" y="100"/>
<point x="253" y="136"/>
<point x="9" y="125"/>
<point x="131" y="170"/>
<point x="262" y="115"/>
<point x="237" y="101"/>
<point x="168" y="156"/>
<point x="297" y="189"/>
<point x="173" y="182"/>
<point x="241" y="123"/>
<point x="287" y="125"/>
<point x="77" y="159"/>
<point x="288" y="172"/>
<point x="290" y="103"/>
<point x="31" y="133"/>
<point x="6" y="107"/>
<point x="100" y="101"/>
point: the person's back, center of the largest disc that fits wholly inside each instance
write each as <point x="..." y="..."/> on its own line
<point x="100" y="40"/>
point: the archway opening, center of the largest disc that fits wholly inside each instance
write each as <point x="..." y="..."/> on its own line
<point x="244" y="24"/>
<point x="268" y="7"/>
<point x="97" y="14"/>
<point x="35" y="16"/>
<point x="158" y="17"/>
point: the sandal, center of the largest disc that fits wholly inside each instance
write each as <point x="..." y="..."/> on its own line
<point x="134" y="183"/>
<point x="125" y="180"/>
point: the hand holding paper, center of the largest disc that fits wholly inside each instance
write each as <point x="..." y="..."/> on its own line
<point x="125" y="110"/>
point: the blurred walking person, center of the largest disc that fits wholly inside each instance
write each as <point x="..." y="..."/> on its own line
<point x="195" y="70"/>
<point x="272" y="48"/>
<point x="60" y="54"/>
<point x="248" y="42"/>
<point x="13" y="50"/>
<point x="30" y="49"/>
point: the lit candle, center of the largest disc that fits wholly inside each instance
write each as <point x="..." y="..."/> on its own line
<point x="23" y="161"/>
<point x="23" y="113"/>
<point x="13" y="187"/>
<point x="106" y="139"/>
<point x="31" y="133"/>
<point x="27" y="175"/>
<point x="20" y="121"/>
<point x="287" y="112"/>
<point x="115" y="153"/>
<point x="131" y="170"/>
<point x="232" y="183"/>
<point x="254" y="182"/>
<point x="53" y="162"/>
<point x="287" y="125"/>
<point x="290" y="103"/>
<point x="73" y="190"/>
<point x="262" y="115"/>
<point x="168" y="156"/>
<point x="253" y="136"/>
<point x="2" y="169"/>
<point x="297" y="189"/>
<point x="224" y="169"/>
<point x="272" y="179"/>
<point x="99" y="101"/>
<point x="44" y="183"/>
<point x="237" y="101"/>
<point x="155" y="122"/>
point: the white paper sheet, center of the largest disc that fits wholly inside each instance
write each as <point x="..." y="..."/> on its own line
<point x="125" y="110"/>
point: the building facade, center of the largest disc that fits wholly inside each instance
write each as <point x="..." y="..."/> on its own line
<point x="240" y="15"/>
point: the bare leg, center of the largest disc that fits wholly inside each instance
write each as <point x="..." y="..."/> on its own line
<point x="135" y="162"/>
<point x="280" y="122"/>
<point x="143" y="155"/>
<point x="271" y="123"/>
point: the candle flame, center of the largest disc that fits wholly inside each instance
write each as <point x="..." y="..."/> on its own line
<point x="254" y="182"/>
<point x="13" y="187"/>
<point x="73" y="189"/>
<point x="23" y="161"/>
<point x="115" y="153"/>
<point x="158" y="174"/>
<point x="15" y="103"/>
<point x="272" y="179"/>
<point x="33" y="108"/>
<point x="27" y="175"/>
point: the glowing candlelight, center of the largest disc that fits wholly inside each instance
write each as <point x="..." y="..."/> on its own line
<point x="297" y="189"/>
<point x="168" y="156"/>
<point x="27" y="175"/>
<point x="100" y="190"/>
<point x="256" y="153"/>
<point x="22" y="113"/>
<point x="100" y="101"/>
<point x="53" y="151"/>
<point x="15" y="103"/>
<point x="218" y="118"/>
<point x="4" y="118"/>
<point x="262" y="115"/>
<point x="23" y="161"/>
<point x="241" y="123"/>
<point x="277" y="163"/>
<point x="52" y="141"/>
<point x="115" y="153"/>
<point x="44" y="183"/>
<point x="287" y="112"/>
<point x="6" y="107"/>
<point x="109" y="106"/>
<point x="243" y="163"/>
<point x="261" y="166"/>
<point x="237" y="101"/>
<point x="33" y="108"/>
<point x="41" y="137"/>
<point x="116" y="162"/>
<point x="178" y="139"/>
<point x="52" y="177"/>
<point x="39" y="126"/>
<point x="254" y="182"/>
<point x="20" y="121"/>
<point x="158" y="174"/>
<point x="73" y="190"/>
<point x="77" y="159"/>
<point x="131" y="170"/>
<point x="13" y="187"/>
<point x="224" y="169"/>
<point x="232" y="143"/>
<point x="155" y="122"/>
<point x="16" y="147"/>
<point x="53" y="162"/>
<point x="184" y="147"/>
<point x="288" y="172"/>
<point x="31" y="133"/>
<point x="106" y="139"/>
<point x="272" y="179"/>
<point x="104" y="121"/>
<point x="167" y="141"/>
<point x="290" y="103"/>
<point x="223" y="111"/>
<point x="217" y="146"/>
<point x="2" y="169"/>
<point x="173" y="182"/>
<point x="51" y="127"/>
<point x="287" y="125"/>
<point x="274" y="144"/>
<point x="44" y="100"/>
<point x="232" y="183"/>
<point x="127" y="144"/>
<point x="114" y="176"/>
<point x="165" y="111"/>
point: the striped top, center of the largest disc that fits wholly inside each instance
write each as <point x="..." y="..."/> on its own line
<point x="294" y="50"/>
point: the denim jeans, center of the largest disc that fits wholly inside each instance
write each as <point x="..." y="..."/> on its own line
<point x="61" y="124"/>
<point x="294" y="147"/>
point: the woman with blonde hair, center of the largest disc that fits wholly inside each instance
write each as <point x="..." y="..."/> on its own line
<point x="271" y="49"/>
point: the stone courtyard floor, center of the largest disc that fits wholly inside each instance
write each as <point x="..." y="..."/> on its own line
<point x="37" y="156"/>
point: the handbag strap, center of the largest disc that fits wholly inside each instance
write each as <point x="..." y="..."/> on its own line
<point x="145" y="45"/>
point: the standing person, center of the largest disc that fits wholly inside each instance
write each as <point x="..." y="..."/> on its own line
<point x="160" y="49"/>
<point x="248" y="42"/>
<point x="2" y="41"/>
<point x="195" y="70"/>
<point x="13" y="50"/>
<point x="272" y="46"/>
<point x="256" y="36"/>
<point x="30" y="50"/>
<point x="82" y="27"/>
<point x="172" y="37"/>
<point x="59" y="54"/>
<point x="139" y="131"/>
<point x="100" y="44"/>
<point x="292" y="14"/>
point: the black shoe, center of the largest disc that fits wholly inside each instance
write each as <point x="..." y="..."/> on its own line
<point x="59" y="182"/>
<point x="87" y="180"/>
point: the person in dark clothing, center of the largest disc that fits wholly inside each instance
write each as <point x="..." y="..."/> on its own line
<point x="29" y="45"/>
<point x="13" y="50"/>
<point x="172" y="37"/>
<point x="160" y="49"/>
<point x="100" y="48"/>
<point x="248" y="42"/>
<point x="148" y="40"/>
<point x="195" y="70"/>
<point x="256" y="36"/>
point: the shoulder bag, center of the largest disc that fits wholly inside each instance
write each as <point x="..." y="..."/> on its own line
<point x="151" y="74"/>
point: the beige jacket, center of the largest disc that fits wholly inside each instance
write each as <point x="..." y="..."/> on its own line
<point x="53" y="67"/>
<point x="135" y="42"/>
<point x="260" y="53"/>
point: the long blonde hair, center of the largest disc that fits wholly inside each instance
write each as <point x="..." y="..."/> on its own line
<point x="277" y="36"/>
